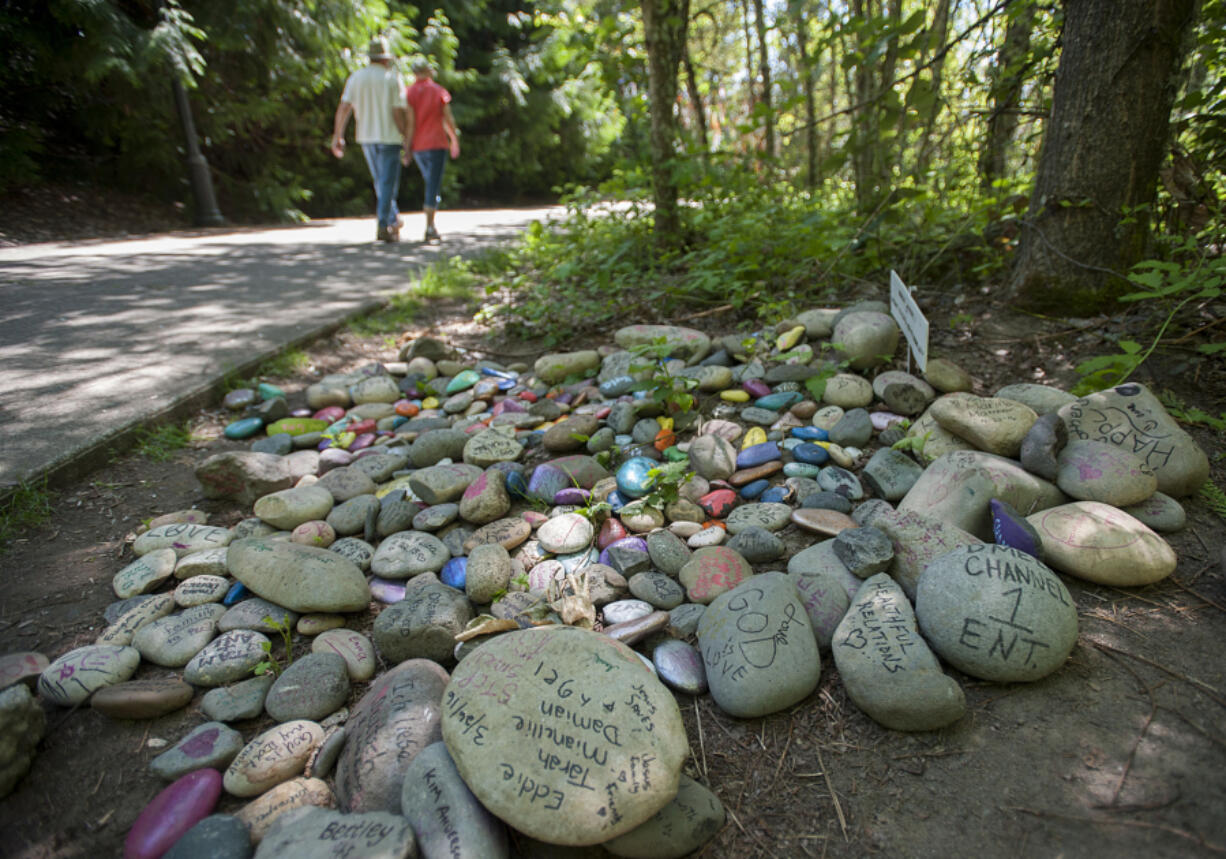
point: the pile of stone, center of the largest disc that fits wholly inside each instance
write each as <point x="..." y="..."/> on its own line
<point x="555" y="555"/>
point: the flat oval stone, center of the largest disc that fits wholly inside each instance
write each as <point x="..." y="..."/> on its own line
<point x="1160" y="512"/>
<point x="508" y="533"/>
<point x="210" y="745"/>
<point x="837" y="479"/>
<point x="260" y="815"/>
<point x="142" y="612"/>
<point x="718" y="503"/>
<point x="200" y="590"/>
<point x="624" y="611"/>
<point x="712" y="571"/>
<point x="769" y="516"/>
<point x="396" y="718"/>
<point x="996" y="613"/>
<point x="185" y="538"/>
<point x="822" y="521"/>
<point x="758" y="647"/>
<point x="353" y="647"/>
<point x="243" y="700"/>
<point x="690" y="820"/>
<point x="679" y="666"/>
<point x="989" y="423"/>
<point x="1100" y="543"/>
<point x="147" y="698"/>
<point x="243" y="428"/>
<point x="758" y="454"/>
<point x="289" y="508"/>
<point x="887" y="669"/>
<point x="711" y="536"/>
<point x="172" y="813"/>
<point x="173" y="641"/>
<point x="145" y="574"/>
<point x="567" y="533"/>
<point x="301" y="578"/>
<point x="274" y="756"/>
<point x="79" y="673"/>
<point x="312" y="687"/>
<point x="320" y="833"/>
<point x="510" y="701"/>
<point x="258" y="614"/>
<point x="231" y="656"/>
<point x="455" y="573"/>
<point x="447" y="818"/>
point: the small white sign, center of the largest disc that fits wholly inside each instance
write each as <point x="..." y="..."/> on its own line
<point x="910" y="319"/>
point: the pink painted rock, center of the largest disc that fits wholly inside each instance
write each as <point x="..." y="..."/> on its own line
<point x="22" y="667"/>
<point x="610" y="532"/>
<point x="711" y="571"/>
<point x="171" y="813"/>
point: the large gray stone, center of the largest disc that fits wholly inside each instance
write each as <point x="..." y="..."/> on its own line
<point x="758" y="647"/>
<point x="447" y="818"/>
<point x="422" y="625"/>
<point x="310" y="832"/>
<point x="996" y="613"/>
<point x="396" y="718"/>
<point x="302" y="578"/>
<point x="1103" y="544"/>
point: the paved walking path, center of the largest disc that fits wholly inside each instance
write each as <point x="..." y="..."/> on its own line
<point x="97" y="338"/>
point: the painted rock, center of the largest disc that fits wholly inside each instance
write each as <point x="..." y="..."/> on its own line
<point x="211" y="745"/>
<point x="446" y="817"/>
<point x="145" y="574"/>
<point x="1130" y="417"/>
<point x="1102" y="544"/>
<point x="712" y="571"/>
<point x="171" y="813"/>
<point x="1010" y="528"/>
<point x="510" y="698"/>
<point x="396" y="718"/>
<point x="758" y="648"/>
<point x="320" y="833"/>
<point x="996" y="613"/>
<point x="989" y="423"/>
<point x="274" y="756"/>
<point x="353" y="647"/>
<point x="231" y="656"/>
<point x="1097" y="471"/>
<point x="243" y="428"/>
<point x="79" y="673"/>
<point x="887" y="669"/>
<point x="184" y="538"/>
<point x="261" y="814"/>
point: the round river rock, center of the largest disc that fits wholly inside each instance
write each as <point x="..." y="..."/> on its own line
<point x="564" y="731"/>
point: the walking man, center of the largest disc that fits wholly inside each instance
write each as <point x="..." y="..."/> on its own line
<point x="432" y="134"/>
<point x="375" y="94"/>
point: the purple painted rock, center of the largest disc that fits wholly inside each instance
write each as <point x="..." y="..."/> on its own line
<point x="756" y="388"/>
<point x="547" y="481"/>
<point x="386" y="591"/>
<point x="1010" y="528"/>
<point x="572" y="495"/>
<point x="173" y="811"/>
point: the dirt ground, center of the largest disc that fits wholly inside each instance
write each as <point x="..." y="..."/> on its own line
<point x="1122" y="752"/>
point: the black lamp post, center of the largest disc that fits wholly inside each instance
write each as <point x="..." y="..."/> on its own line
<point x="207" y="213"/>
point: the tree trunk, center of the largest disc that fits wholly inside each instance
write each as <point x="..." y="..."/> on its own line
<point x="808" y="73"/>
<point x="938" y="34"/>
<point x="1102" y="149"/>
<point x="1005" y="93"/>
<point x="664" y="27"/>
<point x="700" y="111"/>
<point x="764" y="69"/>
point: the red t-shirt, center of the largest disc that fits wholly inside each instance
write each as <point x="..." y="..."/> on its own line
<point x="427" y="99"/>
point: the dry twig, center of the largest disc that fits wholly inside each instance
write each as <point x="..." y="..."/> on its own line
<point x="1140" y="824"/>
<point x="1205" y="689"/>
<point x="838" y="809"/>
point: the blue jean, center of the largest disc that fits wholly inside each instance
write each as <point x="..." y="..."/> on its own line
<point x="383" y="159"/>
<point x="431" y="163"/>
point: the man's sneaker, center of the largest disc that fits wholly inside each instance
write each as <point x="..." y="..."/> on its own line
<point x="381" y="235"/>
<point x="432" y="235"/>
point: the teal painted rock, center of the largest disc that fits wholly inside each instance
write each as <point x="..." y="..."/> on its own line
<point x="634" y="479"/>
<point x="782" y="400"/>
<point x="243" y="427"/>
<point x="462" y="381"/>
<point x="268" y="391"/>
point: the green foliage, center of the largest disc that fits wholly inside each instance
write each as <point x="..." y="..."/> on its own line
<point x="287" y="363"/>
<point x="671" y="392"/>
<point x="271" y="664"/>
<point x="1215" y="498"/>
<point x="1190" y="414"/>
<point x="158" y="444"/>
<point x="913" y="444"/>
<point x="1166" y="287"/>
<point x="666" y="481"/>
<point x="26" y="506"/>
<point x="448" y="278"/>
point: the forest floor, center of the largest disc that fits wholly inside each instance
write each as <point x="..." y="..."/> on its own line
<point x="1122" y="752"/>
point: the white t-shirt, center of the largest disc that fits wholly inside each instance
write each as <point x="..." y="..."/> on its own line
<point x="374" y="91"/>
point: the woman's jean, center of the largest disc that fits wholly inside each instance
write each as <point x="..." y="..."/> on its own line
<point x="383" y="159"/>
<point x="431" y="163"/>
